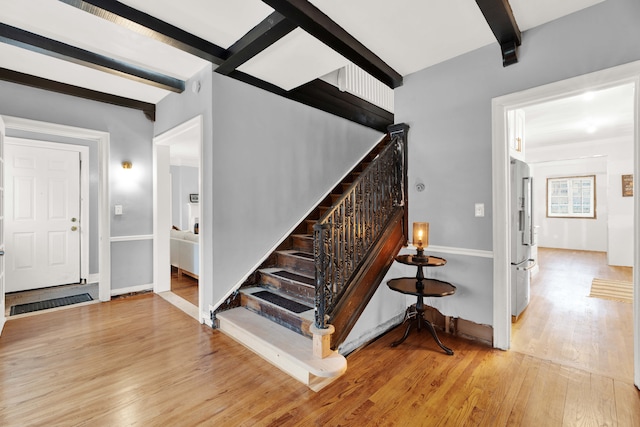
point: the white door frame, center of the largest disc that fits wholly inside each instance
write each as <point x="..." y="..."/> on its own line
<point x="101" y="139"/>
<point x="623" y="74"/>
<point x="84" y="191"/>
<point x="162" y="208"/>
<point x="3" y="318"/>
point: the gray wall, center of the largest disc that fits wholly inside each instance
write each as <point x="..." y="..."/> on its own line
<point x="273" y="160"/>
<point x="130" y="139"/>
<point x="184" y="181"/>
<point x="448" y="107"/>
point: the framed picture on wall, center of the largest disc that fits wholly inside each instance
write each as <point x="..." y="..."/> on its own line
<point x="193" y="198"/>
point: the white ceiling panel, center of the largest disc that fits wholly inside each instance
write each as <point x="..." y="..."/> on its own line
<point x="294" y="60"/>
<point x="530" y="14"/>
<point x="25" y="61"/>
<point x="597" y="115"/>
<point x="221" y="22"/>
<point x="411" y="35"/>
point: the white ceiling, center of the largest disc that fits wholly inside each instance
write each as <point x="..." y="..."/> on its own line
<point x="408" y="35"/>
<point x="591" y="116"/>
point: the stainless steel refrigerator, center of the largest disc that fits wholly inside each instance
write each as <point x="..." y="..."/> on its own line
<point x="522" y="235"/>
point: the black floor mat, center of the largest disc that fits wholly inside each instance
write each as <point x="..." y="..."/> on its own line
<point x="50" y="303"/>
<point x="282" y="302"/>
<point x="296" y="277"/>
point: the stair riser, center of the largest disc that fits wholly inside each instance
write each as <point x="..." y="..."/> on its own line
<point x="302" y="292"/>
<point x="279" y="315"/>
<point x="310" y="223"/>
<point x="303" y="265"/>
<point x="304" y="244"/>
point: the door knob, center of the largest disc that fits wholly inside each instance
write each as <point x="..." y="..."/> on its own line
<point x="74" y="219"/>
<point x="74" y="228"/>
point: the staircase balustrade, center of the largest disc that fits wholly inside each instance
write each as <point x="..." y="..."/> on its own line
<point x="347" y="232"/>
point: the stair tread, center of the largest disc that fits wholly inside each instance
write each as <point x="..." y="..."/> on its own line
<point x="291" y="275"/>
<point x="281" y="301"/>
<point x="284" y="347"/>
<point x="298" y="253"/>
<point x="306" y="314"/>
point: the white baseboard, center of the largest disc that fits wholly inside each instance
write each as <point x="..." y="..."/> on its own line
<point x="206" y="319"/>
<point x="131" y="289"/>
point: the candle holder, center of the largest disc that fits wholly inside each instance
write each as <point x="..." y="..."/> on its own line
<point x="420" y="239"/>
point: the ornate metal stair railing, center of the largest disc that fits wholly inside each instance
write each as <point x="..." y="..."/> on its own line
<point x="347" y="231"/>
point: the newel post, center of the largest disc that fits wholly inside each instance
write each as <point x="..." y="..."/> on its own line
<point x="321" y="330"/>
<point x="322" y="340"/>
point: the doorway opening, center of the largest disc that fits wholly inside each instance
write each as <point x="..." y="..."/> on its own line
<point x="177" y="162"/>
<point x="97" y="234"/>
<point x="628" y="74"/>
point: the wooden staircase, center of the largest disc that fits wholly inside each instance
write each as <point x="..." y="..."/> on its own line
<point x="277" y="301"/>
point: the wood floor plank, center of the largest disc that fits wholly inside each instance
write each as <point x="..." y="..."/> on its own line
<point x="627" y="404"/>
<point x="184" y="286"/>
<point x="522" y="397"/>
<point x="546" y="400"/>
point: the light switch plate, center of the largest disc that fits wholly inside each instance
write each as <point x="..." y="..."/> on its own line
<point x="479" y="209"/>
<point x="118" y="209"/>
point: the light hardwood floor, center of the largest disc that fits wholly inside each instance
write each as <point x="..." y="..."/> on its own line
<point x="564" y="325"/>
<point x="186" y="287"/>
<point x="139" y="360"/>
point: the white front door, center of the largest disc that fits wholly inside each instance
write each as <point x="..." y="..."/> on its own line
<point x="42" y="223"/>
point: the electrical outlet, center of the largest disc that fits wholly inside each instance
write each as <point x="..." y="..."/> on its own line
<point x="479" y="209"/>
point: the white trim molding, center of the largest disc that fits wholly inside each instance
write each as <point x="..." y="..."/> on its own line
<point x="456" y="251"/>
<point x="131" y="238"/>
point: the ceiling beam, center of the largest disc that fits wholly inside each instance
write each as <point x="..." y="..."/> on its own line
<point x="263" y="35"/>
<point x="315" y="22"/>
<point x="500" y="18"/>
<point x="326" y="97"/>
<point x="148" y="109"/>
<point x="55" y="49"/>
<point x="150" y="26"/>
